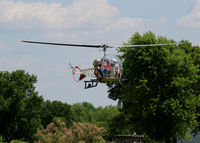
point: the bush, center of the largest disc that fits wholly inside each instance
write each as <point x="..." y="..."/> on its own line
<point x="87" y="132"/>
<point x="79" y="132"/>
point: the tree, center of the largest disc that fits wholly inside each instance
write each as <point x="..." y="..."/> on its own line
<point x="54" y="133"/>
<point x="83" y="112"/>
<point x="120" y="125"/>
<point x="87" y="132"/>
<point x="161" y="96"/>
<point x="19" y="105"/>
<point x="194" y="52"/>
<point x="79" y="132"/>
<point x="103" y="117"/>
<point x="51" y="110"/>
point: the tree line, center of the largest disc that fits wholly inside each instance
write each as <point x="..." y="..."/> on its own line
<point x="22" y="110"/>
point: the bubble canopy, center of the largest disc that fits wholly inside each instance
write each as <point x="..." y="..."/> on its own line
<point x="112" y="60"/>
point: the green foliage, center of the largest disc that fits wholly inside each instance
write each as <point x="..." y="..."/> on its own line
<point x="55" y="109"/>
<point x="79" y="132"/>
<point x="161" y="96"/>
<point x="54" y="133"/>
<point x="83" y="112"/>
<point x="1" y="139"/>
<point x="101" y="116"/>
<point x="17" y="141"/>
<point x="19" y="105"/>
<point x="22" y="111"/>
<point x="104" y="117"/>
<point x="121" y="125"/>
<point x="86" y="112"/>
<point x="89" y="133"/>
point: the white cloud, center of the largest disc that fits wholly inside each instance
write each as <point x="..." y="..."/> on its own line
<point x="120" y="29"/>
<point x="84" y="19"/>
<point x="54" y="16"/>
<point x="192" y="20"/>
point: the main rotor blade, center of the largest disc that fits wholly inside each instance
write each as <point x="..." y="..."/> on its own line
<point x="148" y="45"/>
<point x="62" y="44"/>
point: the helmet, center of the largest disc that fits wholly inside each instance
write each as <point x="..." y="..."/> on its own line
<point x="114" y="60"/>
<point x="96" y="62"/>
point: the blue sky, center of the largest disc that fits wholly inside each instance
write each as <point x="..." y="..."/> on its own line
<point x="85" y="22"/>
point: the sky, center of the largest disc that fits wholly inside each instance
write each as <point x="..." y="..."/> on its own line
<point x="109" y="22"/>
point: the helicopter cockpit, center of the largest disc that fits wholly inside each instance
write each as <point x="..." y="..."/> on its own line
<point x="108" y="68"/>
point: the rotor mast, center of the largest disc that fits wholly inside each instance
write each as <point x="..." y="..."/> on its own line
<point x="105" y="48"/>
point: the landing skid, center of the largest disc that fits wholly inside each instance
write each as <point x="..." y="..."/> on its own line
<point x="94" y="82"/>
<point x="91" y="83"/>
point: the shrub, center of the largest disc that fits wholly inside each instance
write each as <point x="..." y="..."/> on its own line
<point x="57" y="132"/>
<point x="87" y="132"/>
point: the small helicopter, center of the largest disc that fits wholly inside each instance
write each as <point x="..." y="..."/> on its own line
<point x="107" y="70"/>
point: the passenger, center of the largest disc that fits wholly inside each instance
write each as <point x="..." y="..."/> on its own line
<point x="117" y="70"/>
<point x="112" y="69"/>
<point x="107" y="64"/>
<point x="107" y="69"/>
<point x="100" y="74"/>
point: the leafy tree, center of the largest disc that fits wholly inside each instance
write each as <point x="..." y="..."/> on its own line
<point x="100" y="116"/>
<point x="120" y="125"/>
<point x="103" y="117"/>
<point x="161" y="98"/>
<point x="194" y="52"/>
<point x="54" y="133"/>
<point x="89" y="133"/>
<point x="51" y="110"/>
<point x="19" y="105"/>
<point x="79" y="132"/>
<point x="83" y="112"/>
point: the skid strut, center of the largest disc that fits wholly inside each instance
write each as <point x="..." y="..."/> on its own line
<point x="91" y="83"/>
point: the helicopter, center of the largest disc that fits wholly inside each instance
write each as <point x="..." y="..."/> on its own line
<point x="107" y="70"/>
